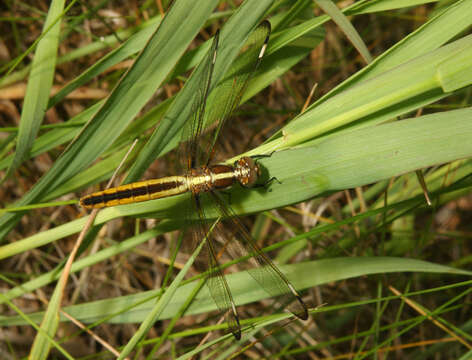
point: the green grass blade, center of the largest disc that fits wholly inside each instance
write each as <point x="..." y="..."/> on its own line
<point x="42" y="342"/>
<point x="39" y="85"/>
<point x="96" y="46"/>
<point x="56" y="137"/>
<point x="341" y="162"/>
<point x="232" y="37"/>
<point x="130" y="47"/>
<point x="28" y="321"/>
<point x="347" y="160"/>
<point x="342" y="21"/>
<point x="445" y="26"/>
<point x="385" y="96"/>
<point x="136" y="87"/>
<point x="384" y="5"/>
<point x="157" y="310"/>
<point x="88" y="261"/>
<point x="302" y="275"/>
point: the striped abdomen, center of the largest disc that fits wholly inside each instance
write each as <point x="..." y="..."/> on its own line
<point x="203" y="179"/>
<point x="136" y="192"/>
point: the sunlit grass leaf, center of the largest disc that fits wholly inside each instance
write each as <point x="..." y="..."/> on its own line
<point x="342" y="21"/>
<point x="303" y="276"/>
<point x="232" y="37"/>
<point x="39" y="86"/>
<point x="140" y="82"/>
<point x="340" y="162"/>
<point x="393" y="93"/>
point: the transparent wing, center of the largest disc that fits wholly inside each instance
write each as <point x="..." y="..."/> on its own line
<point x="193" y="129"/>
<point x="263" y="270"/>
<point x="216" y="281"/>
<point x="199" y="149"/>
<point x="226" y="96"/>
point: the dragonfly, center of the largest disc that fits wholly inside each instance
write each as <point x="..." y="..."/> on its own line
<point x="205" y="180"/>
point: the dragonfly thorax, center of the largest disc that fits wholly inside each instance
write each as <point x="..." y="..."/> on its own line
<point x="220" y="176"/>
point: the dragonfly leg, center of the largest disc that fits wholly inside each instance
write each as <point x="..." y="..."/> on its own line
<point x="262" y="156"/>
<point x="266" y="183"/>
<point x="271" y="180"/>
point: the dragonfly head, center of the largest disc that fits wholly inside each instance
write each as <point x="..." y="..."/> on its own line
<point x="249" y="171"/>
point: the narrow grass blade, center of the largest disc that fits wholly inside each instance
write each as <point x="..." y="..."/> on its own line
<point x="232" y="37"/>
<point x="303" y="276"/>
<point x="42" y="343"/>
<point x="39" y="85"/>
<point x="393" y="93"/>
<point x="53" y="275"/>
<point x="341" y="162"/>
<point x="56" y="137"/>
<point x="445" y="26"/>
<point x="165" y="47"/>
<point x="131" y="46"/>
<point x="156" y="312"/>
<point x="342" y="21"/>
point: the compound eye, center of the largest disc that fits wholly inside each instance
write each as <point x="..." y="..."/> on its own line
<point x="250" y="169"/>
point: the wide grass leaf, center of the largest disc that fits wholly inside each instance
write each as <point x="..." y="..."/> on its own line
<point x="302" y="275"/>
<point x="353" y="159"/>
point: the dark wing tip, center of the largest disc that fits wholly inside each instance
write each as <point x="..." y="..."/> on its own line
<point x="234" y="324"/>
<point x="268" y="28"/>
<point x="299" y="309"/>
<point x="266" y="24"/>
<point x="237" y="334"/>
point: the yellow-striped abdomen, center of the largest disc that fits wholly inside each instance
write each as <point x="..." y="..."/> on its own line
<point x="199" y="180"/>
<point x="136" y="192"/>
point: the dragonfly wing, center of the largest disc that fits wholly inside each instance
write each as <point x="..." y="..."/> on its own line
<point x="216" y="281"/>
<point x="226" y="96"/>
<point x="193" y="128"/>
<point x="263" y="270"/>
